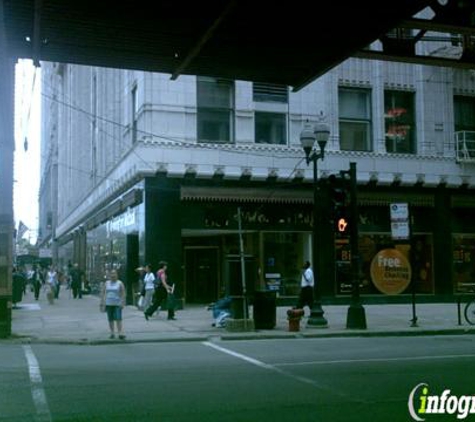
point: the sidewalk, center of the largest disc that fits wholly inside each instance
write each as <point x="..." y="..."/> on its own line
<point x="78" y="321"/>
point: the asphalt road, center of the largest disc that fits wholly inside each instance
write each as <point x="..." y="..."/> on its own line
<point x="352" y="379"/>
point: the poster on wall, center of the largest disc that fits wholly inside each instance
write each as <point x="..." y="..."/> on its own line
<point x="390" y="271"/>
<point x="464" y="264"/>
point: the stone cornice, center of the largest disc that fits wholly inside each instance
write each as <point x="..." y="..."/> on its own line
<point x="263" y="162"/>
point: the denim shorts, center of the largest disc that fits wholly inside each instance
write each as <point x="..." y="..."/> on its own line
<point x="114" y="313"/>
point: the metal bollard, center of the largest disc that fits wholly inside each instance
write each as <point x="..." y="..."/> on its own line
<point x="459" y="312"/>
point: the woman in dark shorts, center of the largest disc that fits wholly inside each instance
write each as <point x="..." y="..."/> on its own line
<point x="113" y="298"/>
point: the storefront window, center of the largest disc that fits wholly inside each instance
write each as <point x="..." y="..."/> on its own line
<point x="107" y="245"/>
<point x="463" y="262"/>
<point x="283" y="256"/>
<point x="420" y="260"/>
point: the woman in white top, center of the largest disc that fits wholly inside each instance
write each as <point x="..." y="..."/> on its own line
<point x="113" y="298"/>
<point x="149" y="282"/>
<point x="51" y="284"/>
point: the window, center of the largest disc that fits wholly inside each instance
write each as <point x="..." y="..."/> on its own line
<point x="134" y="113"/>
<point x="271" y="113"/>
<point x="215" y="99"/>
<point x="464" y="113"/>
<point x="463" y="262"/>
<point x="271" y="128"/>
<point x="270" y="93"/>
<point x="399" y="122"/>
<point x="355" y="119"/>
<point x="464" y="116"/>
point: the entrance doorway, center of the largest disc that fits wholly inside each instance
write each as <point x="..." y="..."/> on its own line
<point x="201" y="274"/>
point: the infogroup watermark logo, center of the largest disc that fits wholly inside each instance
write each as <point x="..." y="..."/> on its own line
<point x="421" y="404"/>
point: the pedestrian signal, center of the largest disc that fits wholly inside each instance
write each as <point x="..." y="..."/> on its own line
<point x="342" y="225"/>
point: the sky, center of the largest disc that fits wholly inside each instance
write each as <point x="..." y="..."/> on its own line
<point x="27" y="162"/>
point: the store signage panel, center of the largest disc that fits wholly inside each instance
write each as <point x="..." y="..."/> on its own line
<point x="400" y="230"/>
<point x="399" y="211"/>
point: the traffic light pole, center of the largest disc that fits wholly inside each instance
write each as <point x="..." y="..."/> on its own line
<point x="356" y="317"/>
<point x="316" y="318"/>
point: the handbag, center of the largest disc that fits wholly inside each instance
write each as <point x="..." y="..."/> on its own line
<point x="140" y="302"/>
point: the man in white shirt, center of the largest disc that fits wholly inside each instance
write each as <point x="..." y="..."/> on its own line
<point x="307" y="285"/>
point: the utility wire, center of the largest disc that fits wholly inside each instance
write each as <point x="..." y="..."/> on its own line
<point x="169" y="139"/>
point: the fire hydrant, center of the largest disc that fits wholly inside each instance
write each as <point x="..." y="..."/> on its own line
<point x="294" y="316"/>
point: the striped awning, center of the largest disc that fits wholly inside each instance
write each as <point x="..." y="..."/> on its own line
<point x="286" y="195"/>
<point x="271" y="195"/>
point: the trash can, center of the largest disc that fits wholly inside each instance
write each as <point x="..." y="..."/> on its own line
<point x="265" y="304"/>
<point x="18" y="283"/>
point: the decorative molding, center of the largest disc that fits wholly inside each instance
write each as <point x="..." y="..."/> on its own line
<point x="273" y="172"/>
<point x="246" y="172"/>
<point x="191" y="169"/>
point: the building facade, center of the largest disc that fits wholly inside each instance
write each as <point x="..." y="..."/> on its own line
<point x="137" y="168"/>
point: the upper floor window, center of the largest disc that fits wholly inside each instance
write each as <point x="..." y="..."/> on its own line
<point x="399" y="122"/>
<point x="270" y="93"/>
<point x="215" y="100"/>
<point x="354" y="107"/>
<point x="271" y="128"/>
<point x="271" y="113"/>
<point x="464" y="113"/>
<point x="134" y="112"/>
<point x="464" y="117"/>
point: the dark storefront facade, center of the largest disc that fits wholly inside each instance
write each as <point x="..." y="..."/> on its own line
<point x="193" y="225"/>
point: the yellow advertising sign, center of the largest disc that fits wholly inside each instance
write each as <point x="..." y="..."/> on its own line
<point x="390" y="271"/>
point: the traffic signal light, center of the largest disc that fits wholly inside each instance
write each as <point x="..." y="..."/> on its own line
<point x="340" y="201"/>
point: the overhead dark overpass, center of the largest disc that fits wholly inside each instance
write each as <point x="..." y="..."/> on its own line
<point x="290" y="43"/>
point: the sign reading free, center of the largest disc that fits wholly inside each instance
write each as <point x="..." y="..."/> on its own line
<point x="390" y="271"/>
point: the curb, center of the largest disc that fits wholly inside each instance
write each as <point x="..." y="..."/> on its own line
<point x="16" y="339"/>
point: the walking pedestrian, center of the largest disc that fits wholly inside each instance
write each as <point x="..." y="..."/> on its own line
<point x="113" y="299"/>
<point x="77" y="276"/>
<point x="149" y="286"/>
<point x="37" y="279"/>
<point x="51" y="285"/>
<point x="162" y="289"/>
<point x="307" y="285"/>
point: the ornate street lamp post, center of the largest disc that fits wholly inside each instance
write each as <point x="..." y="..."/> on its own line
<point x="311" y="133"/>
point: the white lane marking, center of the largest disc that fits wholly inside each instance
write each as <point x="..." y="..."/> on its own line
<point x="43" y="413"/>
<point x="396" y="359"/>
<point x="239" y="355"/>
<point x="273" y="368"/>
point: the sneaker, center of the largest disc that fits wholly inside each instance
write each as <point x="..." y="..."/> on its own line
<point x="122" y="336"/>
<point x="112" y="336"/>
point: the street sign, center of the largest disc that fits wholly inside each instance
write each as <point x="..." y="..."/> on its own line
<point x="400" y="221"/>
<point x="400" y="230"/>
<point x="399" y="211"/>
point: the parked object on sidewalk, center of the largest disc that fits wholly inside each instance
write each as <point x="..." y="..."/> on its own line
<point x="294" y="316"/>
<point x="18" y="284"/>
<point x="265" y="310"/>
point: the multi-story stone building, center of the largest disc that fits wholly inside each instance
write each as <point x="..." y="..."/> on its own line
<point x="138" y="168"/>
